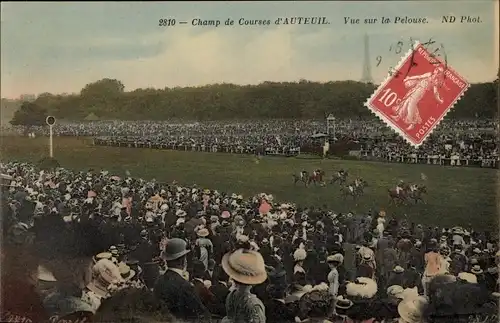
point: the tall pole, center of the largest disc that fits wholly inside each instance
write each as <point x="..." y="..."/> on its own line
<point x="51" y="121"/>
<point x="51" y="145"/>
<point x="334" y="128"/>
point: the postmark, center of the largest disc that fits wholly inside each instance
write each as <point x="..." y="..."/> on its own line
<point x="417" y="95"/>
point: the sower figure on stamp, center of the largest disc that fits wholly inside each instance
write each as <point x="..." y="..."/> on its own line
<point x="407" y="110"/>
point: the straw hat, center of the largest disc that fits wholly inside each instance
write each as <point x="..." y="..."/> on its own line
<point x="468" y="277"/>
<point x="103" y="255"/>
<point x="104" y="273"/>
<point x="335" y="258"/>
<point x="113" y="250"/>
<point x="245" y="266"/>
<point x="202" y="232"/>
<point x="343" y="303"/>
<point x="398" y="269"/>
<point x="410" y="310"/>
<point x="395" y="291"/>
<point x="126" y="272"/>
<point x="476" y="269"/>
<point x="45" y="275"/>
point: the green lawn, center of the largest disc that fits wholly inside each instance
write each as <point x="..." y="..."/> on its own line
<point x="455" y="195"/>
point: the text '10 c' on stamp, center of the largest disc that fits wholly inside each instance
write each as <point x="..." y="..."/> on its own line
<point x="417" y="95"/>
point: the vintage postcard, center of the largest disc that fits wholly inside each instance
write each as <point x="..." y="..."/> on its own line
<point x="307" y="161"/>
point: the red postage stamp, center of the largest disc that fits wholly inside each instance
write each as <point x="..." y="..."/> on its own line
<point x="418" y="95"/>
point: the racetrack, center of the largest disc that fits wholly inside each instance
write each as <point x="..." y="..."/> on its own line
<point x="456" y="196"/>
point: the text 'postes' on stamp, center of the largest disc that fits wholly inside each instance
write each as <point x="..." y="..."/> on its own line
<point x="413" y="105"/>
<point x="199" y="22"/>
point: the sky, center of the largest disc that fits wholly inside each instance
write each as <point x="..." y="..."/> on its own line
<point x="61" y="47"/>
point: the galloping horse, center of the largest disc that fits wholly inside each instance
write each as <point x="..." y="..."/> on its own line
<point x="398" y="196"/>
<point x="340" y="178"/>
<point x="359" y="186"/>
<point x="355" y="189"/>
<point x="416" y="193"/>
<point x="302" y="177"/>
<point x="317" y="177"/>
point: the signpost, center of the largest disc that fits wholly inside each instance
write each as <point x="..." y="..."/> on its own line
<point x="51" y="121"/>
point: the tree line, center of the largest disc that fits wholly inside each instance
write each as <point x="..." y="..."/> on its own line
<point x="107" y="99"/>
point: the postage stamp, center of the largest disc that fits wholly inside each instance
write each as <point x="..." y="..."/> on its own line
<point x="417" y="95"/>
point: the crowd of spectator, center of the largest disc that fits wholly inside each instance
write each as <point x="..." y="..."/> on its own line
<point x="91" y="246"/>
<point x="456" y="143"/>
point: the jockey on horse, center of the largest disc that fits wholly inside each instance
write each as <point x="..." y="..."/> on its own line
<point x="303" y="177"/>
<point x="317" y="176"/>
<point x="340" y="176"/>
<point x="401" y="187"/>
<point x="400" y="193"/>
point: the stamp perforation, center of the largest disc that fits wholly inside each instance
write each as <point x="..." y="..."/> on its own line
<point x="396" y="128"/>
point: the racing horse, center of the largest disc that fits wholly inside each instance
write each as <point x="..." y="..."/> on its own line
<point x="355" y="189"/>
<point x="340" y="178"/>
<point x="302" y="177"/>
<point x="417" y="192"/>
<point x="317" y="177"/>
<point x="399" y="196"/>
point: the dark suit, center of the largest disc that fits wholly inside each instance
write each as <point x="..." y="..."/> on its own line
<point x="180" y="297"/>
<point x="220" y="291"/>
<point x="205" y="295"/>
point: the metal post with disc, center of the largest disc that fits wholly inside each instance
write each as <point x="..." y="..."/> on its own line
<point x="51" y="121"/>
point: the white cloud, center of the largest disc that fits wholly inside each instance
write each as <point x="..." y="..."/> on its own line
<point x="196" y="56"/>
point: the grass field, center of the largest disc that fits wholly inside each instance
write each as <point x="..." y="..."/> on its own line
<point x="455" y="195"/>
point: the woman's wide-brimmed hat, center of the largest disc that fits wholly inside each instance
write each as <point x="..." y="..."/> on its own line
<point x="245" y="266"/>
<point x="105" y="273"/>
<point x="411" y="310"/>
<point x="103" y="255"/>
<point x="203" y="232"/>
<point x="363" y="287"/>
<point x="335" y="258"/>
<point x="175" y="249"/>
<point x="468" y="277"/>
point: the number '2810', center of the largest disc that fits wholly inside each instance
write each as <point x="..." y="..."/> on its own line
<point x="166" y="22"/>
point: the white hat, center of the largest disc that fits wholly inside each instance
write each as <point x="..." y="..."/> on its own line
<point x="336" y="257"/>
<point x="299" y="254"/>
<point x="105" y="273"/>
<point x="468" y="277"/>
<point x="411" y="310"/>
<point x="363" y="287"/>
<point x="45" y="275"/>
<point x="398" y="269"/>
<point x="395" y="291"/>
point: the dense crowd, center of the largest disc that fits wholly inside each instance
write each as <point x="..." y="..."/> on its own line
<point x="457" y="143"/>
<point x="91" y="246"/>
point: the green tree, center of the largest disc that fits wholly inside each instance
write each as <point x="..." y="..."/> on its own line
<point x="293" y="100"/>
<point x="29" y="114"/>
<point x="103" y="88"/>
